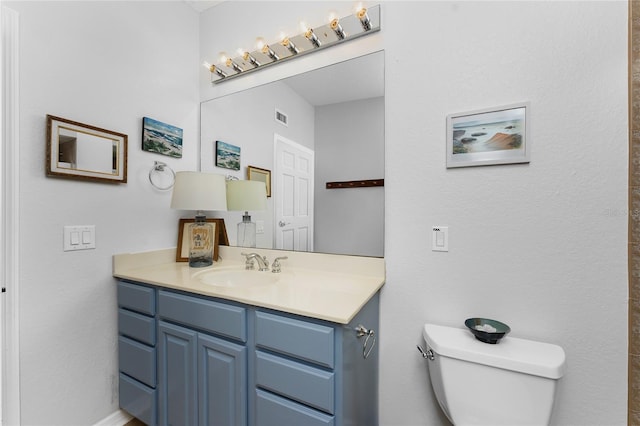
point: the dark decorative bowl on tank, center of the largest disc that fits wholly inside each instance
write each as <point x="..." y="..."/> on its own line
<point x="487" y="330"/>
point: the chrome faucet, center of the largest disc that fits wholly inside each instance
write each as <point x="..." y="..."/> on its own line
<point x="263" y="265"/>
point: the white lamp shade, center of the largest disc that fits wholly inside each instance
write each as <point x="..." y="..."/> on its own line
<point x="246" y="195"/>
<point x="199" y="191"/>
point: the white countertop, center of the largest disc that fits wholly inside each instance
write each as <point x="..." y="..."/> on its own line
<point x="323" y="286"/>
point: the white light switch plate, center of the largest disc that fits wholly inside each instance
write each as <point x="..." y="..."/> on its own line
<point x="259" y="226"/>
<point x="79" y="237"/>
<point x="440" y="238"/>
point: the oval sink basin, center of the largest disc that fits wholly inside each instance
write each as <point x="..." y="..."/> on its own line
<point x="236" y="278"/>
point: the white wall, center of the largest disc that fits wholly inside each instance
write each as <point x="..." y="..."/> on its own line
<point x="540" y="246"/>
<point x="349" y="146"/>
<point x="107" y="64"/>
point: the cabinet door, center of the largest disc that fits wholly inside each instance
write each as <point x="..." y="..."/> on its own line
<point x="177" y="380"/>
<point x="222" y="395"/>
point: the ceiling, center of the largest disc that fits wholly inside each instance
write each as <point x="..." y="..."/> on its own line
<point x="202" y="5"/>
<point x="358" y="78"/>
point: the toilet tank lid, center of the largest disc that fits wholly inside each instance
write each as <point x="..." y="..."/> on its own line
<point x="525" y="356"/>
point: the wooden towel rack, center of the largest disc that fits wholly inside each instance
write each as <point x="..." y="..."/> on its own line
<point x="355" y="184"/>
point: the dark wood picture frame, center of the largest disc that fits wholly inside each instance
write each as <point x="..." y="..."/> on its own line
<point x="62" y="151"/>
<point x="221" y="238"/>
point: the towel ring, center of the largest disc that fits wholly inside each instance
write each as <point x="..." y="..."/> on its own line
<point x="369" y="333"/>
<point x="162" y="176"/>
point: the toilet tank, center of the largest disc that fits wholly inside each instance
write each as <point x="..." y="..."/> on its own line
<point x="512" y="382"/>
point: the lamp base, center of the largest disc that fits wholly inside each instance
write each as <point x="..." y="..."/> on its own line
<point x="200" y="262"/>
<point x="246" y="232"/>
<point x="201" y="239"/>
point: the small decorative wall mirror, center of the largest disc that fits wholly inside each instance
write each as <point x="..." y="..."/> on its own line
<point x="81" y="151"/>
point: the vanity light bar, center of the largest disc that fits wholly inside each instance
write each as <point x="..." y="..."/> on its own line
<point x="365" y="21"/>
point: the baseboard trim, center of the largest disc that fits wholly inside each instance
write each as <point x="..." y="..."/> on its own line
<point x="119" y="418"/>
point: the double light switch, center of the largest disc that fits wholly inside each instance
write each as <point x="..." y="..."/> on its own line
<point x="79" y="237"/>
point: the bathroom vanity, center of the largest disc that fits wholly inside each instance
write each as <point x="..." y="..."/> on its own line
<point x="226" y="346"/>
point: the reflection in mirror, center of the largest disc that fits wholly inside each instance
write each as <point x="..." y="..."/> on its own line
<point x="80" y="151"/>
<point x="334" y="116"/>
<point x="84" y="151"/>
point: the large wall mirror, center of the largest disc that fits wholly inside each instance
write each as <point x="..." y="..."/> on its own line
<point x="322" y="126"/>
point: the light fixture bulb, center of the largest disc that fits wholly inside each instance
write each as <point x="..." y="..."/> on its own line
<point x="286" y="42"/>
<point x="337" y="28"/>
<point x="364" y="19"/>
<point x="218" y="71"/>
<point x="267" y="51"/>
<point x="229" y="63"/>
<point x="311" y="36"/>
<point x="248" y="57"/>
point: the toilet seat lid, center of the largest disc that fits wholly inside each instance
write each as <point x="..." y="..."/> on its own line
<point x="525" y="356"/>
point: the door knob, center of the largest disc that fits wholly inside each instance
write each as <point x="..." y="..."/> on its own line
<point x="282" y="223"/>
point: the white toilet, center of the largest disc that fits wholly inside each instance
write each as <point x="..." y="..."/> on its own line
<point x="510" y="383"/>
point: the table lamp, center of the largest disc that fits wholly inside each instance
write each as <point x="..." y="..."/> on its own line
<point x="199" y="191"/>
<point x="245" y="195"/>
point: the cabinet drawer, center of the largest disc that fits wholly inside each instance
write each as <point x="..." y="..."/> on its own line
<point x="137" y="360"/>
<point x="137" y="298"/>
<point x="297" y="381"/>
<point x="207" y="315"/>
<point x="137" y="326"/>
<point x="300" y="339"/>
<point x="271" y="410"/>
<point x="138" y="400"/>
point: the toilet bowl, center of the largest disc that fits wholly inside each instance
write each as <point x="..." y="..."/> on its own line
<point x="510" y="383"/>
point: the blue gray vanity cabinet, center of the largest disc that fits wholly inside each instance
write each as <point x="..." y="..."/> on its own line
<point x="136" y="350"/>
<point x="313" y="373"/>
<point x="226" y="363"/>
<point x="202" y="361"/>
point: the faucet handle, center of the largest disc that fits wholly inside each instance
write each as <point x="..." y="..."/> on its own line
<point x="276" y="267"/>
<point x="248" y="263"/>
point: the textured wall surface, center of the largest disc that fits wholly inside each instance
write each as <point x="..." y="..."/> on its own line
<point x="634" y="216"/>
<point x="106" y="64"/>
<point x="542" y="246"/>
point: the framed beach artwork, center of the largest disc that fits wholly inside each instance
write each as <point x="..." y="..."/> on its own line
<point x="227" y="155"/>
<point x="490" y="136"/>
<point x="161" y="138"/>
